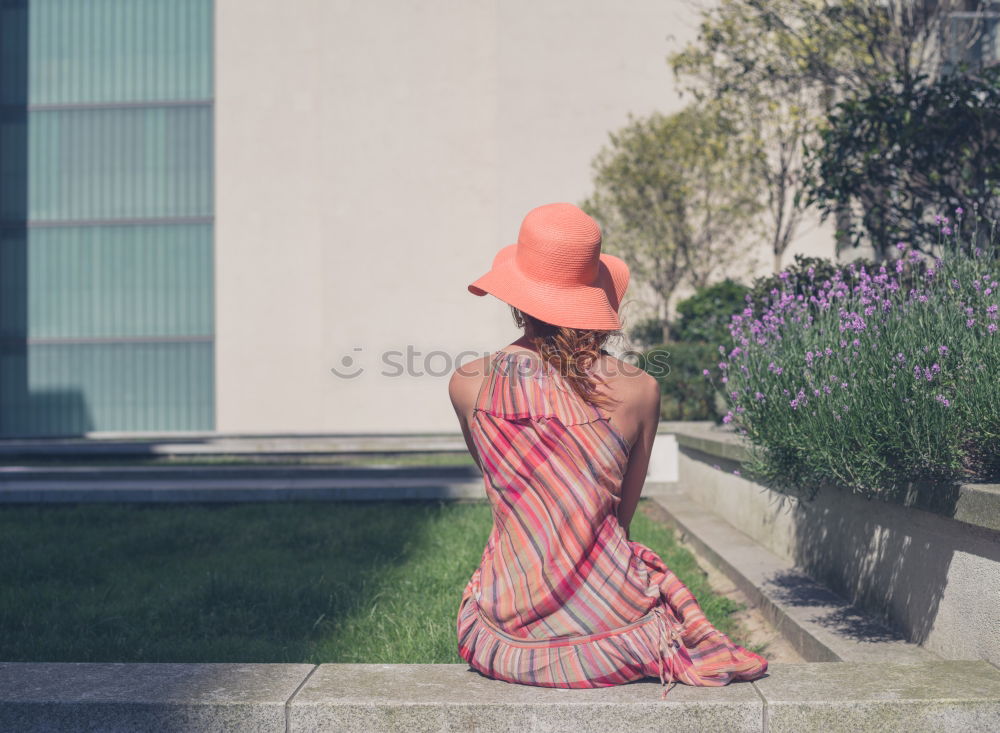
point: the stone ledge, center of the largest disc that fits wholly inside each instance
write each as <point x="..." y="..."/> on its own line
<point x="711" y="441"/>
<point x="388" y="471"/>
<point x="205" y="489"/>
<point x="202" y="444"/>
<point x="57" y="696"/>
<point x="364" y="698"/>
<point x="20" y="484"/>
<point x="871" y="696"/>
<point x="975" y="504"/>
<point x="835" y="696"/>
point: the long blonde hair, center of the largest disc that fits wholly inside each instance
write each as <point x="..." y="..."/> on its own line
<point x="571" y="352"/>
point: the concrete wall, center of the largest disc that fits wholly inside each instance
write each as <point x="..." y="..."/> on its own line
<point x="934" y="578"/>
<point x="371" y="157"/>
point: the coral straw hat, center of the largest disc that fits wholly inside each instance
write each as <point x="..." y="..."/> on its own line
<point x="557" y="273"/>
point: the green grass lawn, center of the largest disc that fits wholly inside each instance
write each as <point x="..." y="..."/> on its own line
<point x="282" y="582"/>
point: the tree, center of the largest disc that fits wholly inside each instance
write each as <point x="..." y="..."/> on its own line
<point x="782" y="65"/>
<point x="675" y="198"/>
<point x="910" y="149"/>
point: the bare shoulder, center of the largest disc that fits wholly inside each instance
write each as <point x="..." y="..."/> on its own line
<point x="465" y="381"/>
<point x="637" y="394"/>
<point x="629" y="382"/>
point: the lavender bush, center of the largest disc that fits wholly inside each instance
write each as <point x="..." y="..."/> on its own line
<point x="884" y="381"/>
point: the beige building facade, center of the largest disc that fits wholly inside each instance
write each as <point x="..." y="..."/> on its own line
<point x="371" y="157"/>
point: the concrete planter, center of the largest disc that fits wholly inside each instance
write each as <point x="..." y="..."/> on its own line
<point x="934" y="576"/>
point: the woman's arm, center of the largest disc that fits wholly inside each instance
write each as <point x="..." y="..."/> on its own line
<point x="463" y="388"/>
<point x="642" y="447"/>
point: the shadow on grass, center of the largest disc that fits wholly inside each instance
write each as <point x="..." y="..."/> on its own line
<point x="290" y="582"/>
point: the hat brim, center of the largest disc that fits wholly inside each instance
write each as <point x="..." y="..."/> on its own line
<point x="592" y="306"/>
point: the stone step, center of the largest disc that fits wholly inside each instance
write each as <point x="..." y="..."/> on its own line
<point x="820" y="625"/>
<point x="287" y="487"/>
<point x="387" y="472"/>
<point x="366" y="698"/>
<point x="137" y="445"/>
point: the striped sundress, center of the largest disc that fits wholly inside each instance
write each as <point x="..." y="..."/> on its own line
<point x="561" y="597"/>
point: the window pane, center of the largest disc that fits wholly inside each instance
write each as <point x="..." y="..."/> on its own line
<point x="119" y="50"/>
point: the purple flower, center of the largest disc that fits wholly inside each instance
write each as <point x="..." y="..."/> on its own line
<point x="943" y="400"/>
<point x="705" y="372"/>
<point x="943" y="349"/>
<point x="728" y="417"/>
<point x="959" y="211"/>
<point x="946" y="231"/>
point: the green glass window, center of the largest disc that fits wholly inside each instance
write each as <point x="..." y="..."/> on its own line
<point x="106" y="216"/>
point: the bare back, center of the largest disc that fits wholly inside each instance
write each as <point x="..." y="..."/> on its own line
<point x="634" y="415"/>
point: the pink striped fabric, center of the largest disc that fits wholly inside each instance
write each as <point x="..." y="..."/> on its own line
<point x="561" y="598"/>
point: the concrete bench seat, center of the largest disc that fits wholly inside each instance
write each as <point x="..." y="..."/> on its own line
<point x="836" y="696"/>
